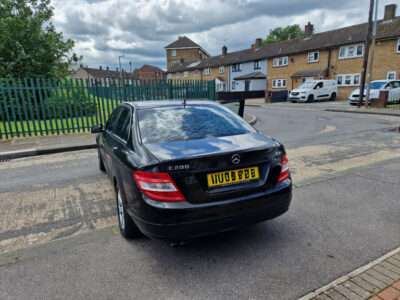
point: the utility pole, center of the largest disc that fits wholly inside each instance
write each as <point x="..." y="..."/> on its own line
<point x="371" y="62"/>
<point x="120" y="69"/>
<point x="366" y="53"/>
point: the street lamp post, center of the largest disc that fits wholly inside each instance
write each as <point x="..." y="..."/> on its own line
<point x="120" y="70"/>
<point x="371" y="55"/>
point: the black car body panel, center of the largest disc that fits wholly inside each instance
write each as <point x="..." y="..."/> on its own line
<point x="183" y="221"/>
<point x="206" y="209"/>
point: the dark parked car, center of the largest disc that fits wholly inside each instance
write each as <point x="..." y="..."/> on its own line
<point x="182" y="171"/>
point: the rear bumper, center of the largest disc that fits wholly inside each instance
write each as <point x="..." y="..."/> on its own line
<point x="184" y="221"/>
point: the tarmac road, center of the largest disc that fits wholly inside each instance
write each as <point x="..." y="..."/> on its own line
<point x="345" y="212"/>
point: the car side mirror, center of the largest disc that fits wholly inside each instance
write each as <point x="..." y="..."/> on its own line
<point x="97" y="128"/>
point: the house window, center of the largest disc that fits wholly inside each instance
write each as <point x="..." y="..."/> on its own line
<point x="186" y="74"/>
<point x="398" y="46"/>
<point x="221" y="69"/>
<point x="174" y="62"/>
<point x="233" y="85"/>
<point x="169" y="76"/>
<point x="173" y="52"/>
<point x="342" y="52"/>
<point x="278" y="83"/>
<point x="236" y="68"/>
<point x="313" y="56"/>
<point x="207" y="71"/>
<point x="177" y="74"/>
<point x="391" y="75"/>
<point x="280" y="61"/>
<point x="348" y="79"/>
<point x="356" y="79"/>
<point x="351" y="51"/>
<point x="257" y="65"/>
<point x="360" y="50"/>
<point x="196" y="72"/>
<point x="201" y="54"/>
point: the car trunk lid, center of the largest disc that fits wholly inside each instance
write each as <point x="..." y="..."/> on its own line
<point x="189" y="162"/>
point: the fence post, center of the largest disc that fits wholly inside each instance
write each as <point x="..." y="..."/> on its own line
<point x="35" y="103"/>
<point x="26" y="88"/>
<point x="9" y="131"/>
<point x="67" y="120"/>
<point x="53" y="101"/>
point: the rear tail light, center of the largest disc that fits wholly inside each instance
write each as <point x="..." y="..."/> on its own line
<point x="284" y="170"/>
<point x="158" y="186"/>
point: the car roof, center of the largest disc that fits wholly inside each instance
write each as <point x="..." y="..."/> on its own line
<point x="168" y="102"/>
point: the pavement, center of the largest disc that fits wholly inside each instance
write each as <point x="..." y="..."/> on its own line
<point x="60" y="230"/>
<point x="41" y="145"/>
<point x="378" y="280"/>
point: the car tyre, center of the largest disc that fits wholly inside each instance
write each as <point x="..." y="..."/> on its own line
<point x="127" y="227"/>
<point x="310" y="98"/>
<point x="333" y="97"/>
<point x="101" y="163"/>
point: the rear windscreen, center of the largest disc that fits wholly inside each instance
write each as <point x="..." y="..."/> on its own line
<point x="193" y="122"/>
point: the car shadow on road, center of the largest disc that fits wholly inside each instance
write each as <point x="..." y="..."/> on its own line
<point x="248" y="240"/>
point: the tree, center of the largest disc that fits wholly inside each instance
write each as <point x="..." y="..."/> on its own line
<point x="279" y="34"/>
<point x="29" y="44"/>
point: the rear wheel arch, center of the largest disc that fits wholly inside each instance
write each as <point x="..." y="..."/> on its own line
<point x="127" y="226"/>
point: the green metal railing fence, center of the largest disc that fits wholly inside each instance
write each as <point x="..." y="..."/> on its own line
<point x="39" y="106"/>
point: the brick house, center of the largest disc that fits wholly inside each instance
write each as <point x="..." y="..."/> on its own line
<point x="231" y="71"/>
<point x="335" y="54"/>
<point x="101" y="74"/>
<point x="184" y="50"/>
<point x="149" y="72"/>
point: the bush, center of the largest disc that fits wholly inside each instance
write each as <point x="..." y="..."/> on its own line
<point x="64" y="101"/>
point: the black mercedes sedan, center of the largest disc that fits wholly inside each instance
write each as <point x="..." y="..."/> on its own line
<point x="184" y="170"/>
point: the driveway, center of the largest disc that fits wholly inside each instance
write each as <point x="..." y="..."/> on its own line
<point x="345" y="213"/>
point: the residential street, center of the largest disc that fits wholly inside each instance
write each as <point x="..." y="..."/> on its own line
<point x="345" y="213"/>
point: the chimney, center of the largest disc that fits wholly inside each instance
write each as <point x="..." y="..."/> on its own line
<point x="179" y="37"/>
<point x="224" y="50"/>
<point x="107" y="68"/>
<point x="100" y="68"/>
<point x="308" y="29"/>
<point x="390" y="12"/>
<point x="258" y="43"/>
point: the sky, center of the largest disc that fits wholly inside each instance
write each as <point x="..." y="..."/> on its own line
<point x="140" y="29"/>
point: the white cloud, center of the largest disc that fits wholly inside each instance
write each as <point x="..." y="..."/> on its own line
<point x="120" y="44"/>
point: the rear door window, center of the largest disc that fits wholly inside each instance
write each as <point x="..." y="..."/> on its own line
<point x="192" y="122"/>
<point x="112" y="120"/>
<point x="122" y="127"/>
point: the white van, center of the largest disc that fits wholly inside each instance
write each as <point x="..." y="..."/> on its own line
<point x="310" y="91"/>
